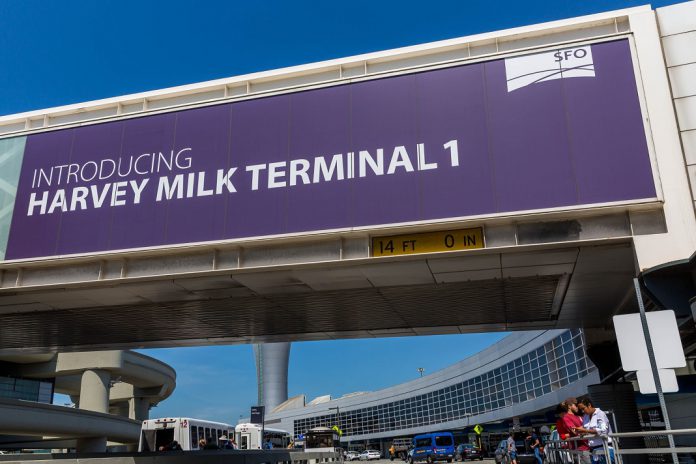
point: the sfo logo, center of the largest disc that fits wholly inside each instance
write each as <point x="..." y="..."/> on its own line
<point x="521" y="71"/>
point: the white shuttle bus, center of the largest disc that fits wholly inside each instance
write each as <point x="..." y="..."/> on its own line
<point x="158" y="434"/>
<point x="248" y="436"/>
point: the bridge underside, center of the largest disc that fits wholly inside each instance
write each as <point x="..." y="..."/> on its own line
<point x="568" y="286"/>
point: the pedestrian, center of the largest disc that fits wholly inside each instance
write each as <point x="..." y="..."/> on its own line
<point x="267" y="444"/>
<point x="535" y="444"/>
<point x="561" y="411"/>
<point x="573" y="423"/>
<point x="596" y="424"/>
<point x="563" y="432"/>
<point x="202" y="443"/>
<point x="512" y="449"/>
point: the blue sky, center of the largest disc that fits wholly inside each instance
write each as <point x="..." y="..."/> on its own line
<point x="61" y="52"/>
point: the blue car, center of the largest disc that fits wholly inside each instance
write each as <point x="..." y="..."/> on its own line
<point x="432" y="447"/>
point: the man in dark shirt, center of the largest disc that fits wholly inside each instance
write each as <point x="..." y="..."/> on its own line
<point x="535" y="444"/>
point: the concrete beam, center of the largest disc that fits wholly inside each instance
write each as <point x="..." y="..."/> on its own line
<point x="24" y="418"/>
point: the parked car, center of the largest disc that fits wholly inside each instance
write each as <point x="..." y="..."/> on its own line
<point x="468" y="451"/>
<point x="369" y="455"/>
<point x="433" y="447"/>
<point x="352" y="456"/>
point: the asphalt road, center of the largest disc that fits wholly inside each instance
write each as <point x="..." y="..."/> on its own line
<point x="396" y="461"/>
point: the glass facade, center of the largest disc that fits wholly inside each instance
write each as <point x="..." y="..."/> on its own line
<point x="11" y="155"/>
<point x="556" y="364"/>
<point x="26" y="389"/>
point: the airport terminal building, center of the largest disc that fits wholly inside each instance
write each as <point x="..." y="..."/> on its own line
<point x="523" y="375"/>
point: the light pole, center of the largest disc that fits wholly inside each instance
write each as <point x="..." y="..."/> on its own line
<point x="338" y="421"/>
<point x="420" y="371"/>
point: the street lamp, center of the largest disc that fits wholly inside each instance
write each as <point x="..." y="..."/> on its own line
<point x="420" y="371"/>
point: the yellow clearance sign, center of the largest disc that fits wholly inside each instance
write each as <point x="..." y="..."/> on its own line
<point x="428" y="242"/>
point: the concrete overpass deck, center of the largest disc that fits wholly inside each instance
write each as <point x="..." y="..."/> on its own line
<point x="518" y="287"/>
<point x="26" y="418"/>
<point x="112" y="390"/>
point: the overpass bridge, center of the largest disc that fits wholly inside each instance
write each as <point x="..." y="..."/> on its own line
<point x="113" y="392"/>
<point x="425" y="190"/>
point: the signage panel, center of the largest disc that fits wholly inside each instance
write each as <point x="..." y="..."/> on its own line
<point x="257" y="415"/>
<point x="428" y="242"/>
<point x="470" y="140"/>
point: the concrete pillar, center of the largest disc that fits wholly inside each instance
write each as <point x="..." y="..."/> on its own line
<point x="119" y="409"/>
<point x="94" y="391"/>
<point x="94" y="396"/>
<point x="138" y="409"/>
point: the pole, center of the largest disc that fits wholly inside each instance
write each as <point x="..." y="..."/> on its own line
<point x="338" y="422"/>
<point x="653" y="367"/>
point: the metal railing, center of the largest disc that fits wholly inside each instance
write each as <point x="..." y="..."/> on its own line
<point x="566" y="452"/>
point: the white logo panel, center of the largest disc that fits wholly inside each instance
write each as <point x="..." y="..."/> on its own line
<point x="521" y="71"/>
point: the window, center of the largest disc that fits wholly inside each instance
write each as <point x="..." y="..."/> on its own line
<point x="194" y="437"/>
<point x="423" y="442"/>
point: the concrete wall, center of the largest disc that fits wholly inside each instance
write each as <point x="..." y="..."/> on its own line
<point x="677" y="26"/>
<point x="659" y="109"/>
<point x="682" y="415"/>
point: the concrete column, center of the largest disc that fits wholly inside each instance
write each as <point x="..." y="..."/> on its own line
<point x="138" y="409"/>
<point x="94" y="391"/>
<point x="94" y="396"/>
<point x="119" y="409"/>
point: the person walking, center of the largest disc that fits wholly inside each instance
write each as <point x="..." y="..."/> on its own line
<point x="512" y="449"/>
<point x="535" y="444"/>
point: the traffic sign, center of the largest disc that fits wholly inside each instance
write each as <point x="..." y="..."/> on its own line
<point x="428" y="242"/>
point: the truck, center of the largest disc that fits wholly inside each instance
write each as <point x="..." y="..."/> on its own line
<point x="400" y="447"/>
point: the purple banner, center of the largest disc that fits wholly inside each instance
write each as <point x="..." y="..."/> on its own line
<point x="556" y="129"/>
